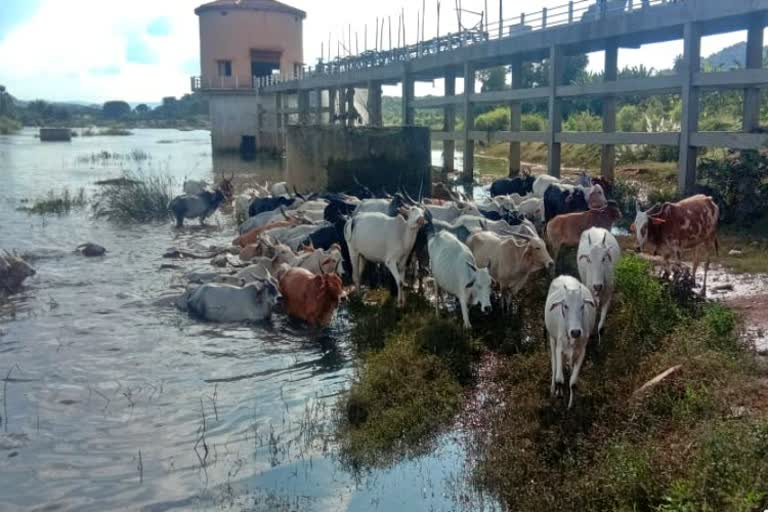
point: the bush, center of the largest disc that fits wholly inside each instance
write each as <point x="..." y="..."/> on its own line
<point x="739" y="185"/>
<point x="629" y="119"/>
<point x="136" y="198"/>
<point x="583" y="122"/>
<point x="9" y="126"/>
<point x="493" y="120"/>
<point x="533" y="123"/>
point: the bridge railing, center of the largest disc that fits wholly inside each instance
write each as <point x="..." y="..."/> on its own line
<point x="575" y="11"/>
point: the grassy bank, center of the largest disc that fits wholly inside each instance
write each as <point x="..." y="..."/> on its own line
<point x="697" y="440"/>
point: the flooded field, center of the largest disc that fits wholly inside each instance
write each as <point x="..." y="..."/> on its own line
<point x="114" y="401"/>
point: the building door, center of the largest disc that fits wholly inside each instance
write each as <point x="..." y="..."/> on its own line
<point x="264" y="62"/>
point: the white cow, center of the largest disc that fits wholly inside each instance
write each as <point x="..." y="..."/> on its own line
<point x="533" y="209"/>
<point x="280" y="189"/>
<point x="243" y="201"/>
<point x="455" y="271"/>
<point x="320" y="261"/>
<point x="193" y="187"/>
<point x="569" y="316"/>
<point x="597" y="257"/>
<point x="450" y="211"/>
<point x="476" y="223"/>
<point x="542" y="183"/>
<point x="379" y="238"/>
<point x="226" y="303"/>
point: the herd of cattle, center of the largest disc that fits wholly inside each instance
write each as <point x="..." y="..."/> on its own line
<point x="302" y="248"/>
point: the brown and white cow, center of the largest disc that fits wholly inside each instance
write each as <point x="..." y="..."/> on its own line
<point x="669" y="229"/>
<point x="565" y="230"/>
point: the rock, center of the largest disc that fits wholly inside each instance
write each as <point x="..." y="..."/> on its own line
<point x="728" y="287"/>
<point x="220" y="260"/>
<point x="90" y="250"/>
<point x="735" y="252"/>
<point x="13" y="271"/>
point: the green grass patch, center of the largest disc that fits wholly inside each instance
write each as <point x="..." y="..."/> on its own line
<point x="137" y="197"/>
<point x="58" y="203"/>
<point x="9" y="126"/>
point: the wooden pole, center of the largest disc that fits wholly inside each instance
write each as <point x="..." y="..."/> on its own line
<point x="357" y="48"/>
<point x="423" y="17"/>
<point x="376" y="41"/>
<point x="349" y="39"/>
<point x="501" y="19"/>
<point x="365" y="37"/>
<point x="389" y="21"/>
<point x="404" y="38"/>
<point x="485" y="17"/>
<point x="438" y="18"/>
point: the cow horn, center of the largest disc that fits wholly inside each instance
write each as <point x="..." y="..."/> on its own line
<point x="605" y="236"/>
<point x="471" y="266"/>
<point x="282" y="211"/>
<point x="410" y="199"/>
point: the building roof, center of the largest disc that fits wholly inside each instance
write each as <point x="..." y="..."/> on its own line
<point x="250" y="5"/>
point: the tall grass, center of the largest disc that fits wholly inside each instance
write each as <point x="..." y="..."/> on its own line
<point x="104" y="157"/>
<point x="138" y="197"/>
<point x="58" y="203"/>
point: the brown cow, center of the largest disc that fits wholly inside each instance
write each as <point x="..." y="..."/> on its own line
<point x="566" y="229"/>
<point x="253" y="235"/>
<point x="669" y="229"/>
<point x="309" y="297"/>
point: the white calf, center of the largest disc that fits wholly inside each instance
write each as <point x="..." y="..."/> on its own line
<point x="597" y="257"/>
<point x="542" y="183"/>
<point x="569" y="316"/>
<point x="454" y="270"/>
<point x="225" y="303"/>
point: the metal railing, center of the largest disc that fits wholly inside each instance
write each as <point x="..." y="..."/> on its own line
<point x="576" y="11"/>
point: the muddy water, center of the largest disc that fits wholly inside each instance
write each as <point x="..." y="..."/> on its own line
<point x="117" y="402"/>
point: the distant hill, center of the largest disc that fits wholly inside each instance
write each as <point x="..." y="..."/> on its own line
<point x="732" y="57"/>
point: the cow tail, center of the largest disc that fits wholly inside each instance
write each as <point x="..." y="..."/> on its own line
<point x="717" y="247"/>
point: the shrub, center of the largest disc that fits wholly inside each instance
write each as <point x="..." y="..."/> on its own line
<point x="493" y="120"/>
<point x="628" y="119"/>
<point x="533" y="123"/>
<point x="624" y="193"/>
<point x="136" y="198"/>
<point x="583" y="122"/>
<point x="9" y="126"/>
<point x="739" y="185"/>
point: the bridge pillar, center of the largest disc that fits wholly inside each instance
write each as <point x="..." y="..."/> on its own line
<point x="408" y="95"/>
<point x="278" y="119"/>
<point x="686" y="176"/>
<point x="318" y="106"/>
<point x="449" y="122"/>
<point x="752" y="97"/>
<point x="331" y="104"/>
<point x="349" y="100"/>
<point x="555" y="111"/>
<point x="303" y="104"/>
<point x="608" y="152"/>
<point x="374" y="104"/>
<point x="515" y="119"/>
<point x="469" y="123"/>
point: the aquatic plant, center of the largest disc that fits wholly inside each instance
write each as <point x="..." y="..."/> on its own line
<point x="137" y="197"/>
<point x="58" y="203"/>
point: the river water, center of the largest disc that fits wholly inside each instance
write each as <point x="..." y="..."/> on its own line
<point x="117" y="402"/>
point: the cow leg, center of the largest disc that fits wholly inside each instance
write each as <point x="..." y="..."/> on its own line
<point x="552" y="353"/>
<point x="695" y="263"/>
<point x="710" y="246"/>
<point x="437" y="299"/>
<point x="559" y="378"/>
<point x="465" y="311"/>
<point x="392" y="267"/>
<point x="606" y="304"/>
<point x="578" y="359"/>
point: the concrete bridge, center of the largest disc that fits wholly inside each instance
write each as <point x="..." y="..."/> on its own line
<point x="575" y="28"/>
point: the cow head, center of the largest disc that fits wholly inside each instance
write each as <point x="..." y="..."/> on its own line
<point x="598" y="260"/>
<point x="479" y="287"/>
<point x="597" y="198"/>
<point x="642" y="224"/>
<point x="536" y="256"/>
<point x="572" y="307"/>
<point x="414" y="216"/>
<point x="227" y="187"/>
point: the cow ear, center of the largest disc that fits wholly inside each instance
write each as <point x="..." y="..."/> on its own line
<point x="605" y="236"/>
<point x="556" y="304"/>
<point x="318" y="279"/>
<point x="471" y="266"/>
<point x="632" y="228"/>
<point x="470" y="284"/>
<point x="657" y="221"/>
<point x="590" y="302"/>
<point x="583" y="257"/>
<point x="589" y="239"/>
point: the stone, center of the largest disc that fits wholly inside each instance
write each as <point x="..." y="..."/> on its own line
<point x="13" y="271"/>
<point x="735" y="252"/>
<point x="90" y="250"/>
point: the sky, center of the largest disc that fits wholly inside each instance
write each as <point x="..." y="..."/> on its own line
<point x="143" y="50"/>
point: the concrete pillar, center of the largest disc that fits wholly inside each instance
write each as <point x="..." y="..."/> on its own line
<point x="349" y="100"/>
<point x="408" y="95"/>
<point x="686" y="176"/>
<point x="331" y="104"/>
<point x="374" y="104"/>
<point x="752" y="97"/>
<point x="449" y="122"/>
<point x="278" y="119"/>
<point x="318" y="106"/>
<point x="608" y="151"/>
<point x="555" y="111"/>
<point x="515" y="119"/>
<point x="469" y="123"/>
<point x="303" y="103"/>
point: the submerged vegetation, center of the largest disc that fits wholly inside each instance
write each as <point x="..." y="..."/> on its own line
<point x="136" y="197"/>
<point x="58" y="203"/>
<point x="104" y="157"/>
<point x="695" y="440"/>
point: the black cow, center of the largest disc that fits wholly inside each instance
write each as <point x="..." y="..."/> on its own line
<point x="197" y="206"/>
<point x="268" y="204"/>
<point x="517" y="185"/>
<point x="559" y="200"/>
<point x="326" y="236"/>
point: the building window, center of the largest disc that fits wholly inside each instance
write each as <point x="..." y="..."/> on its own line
<point x="225" y="67"/>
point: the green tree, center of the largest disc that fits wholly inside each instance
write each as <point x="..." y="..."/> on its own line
<point x="493" y="79"/>
<point x="6" y="104"/>
<point x="115" y="109"/>
<point x="141" y="109"/>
